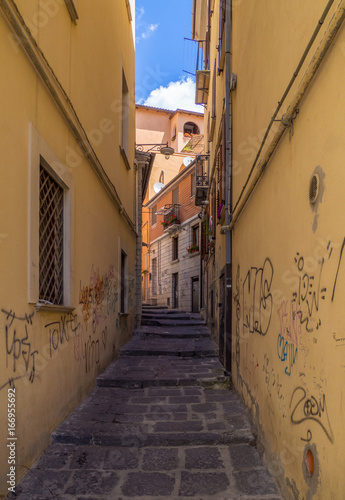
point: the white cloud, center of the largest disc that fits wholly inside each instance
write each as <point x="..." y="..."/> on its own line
<point x="149" y="30"/>
<point x="177" y="95"/>
<point x="139" y="12"/>
<point x="143" y="30"/>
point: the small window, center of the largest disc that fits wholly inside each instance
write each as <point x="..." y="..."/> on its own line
<point x="154" y="215"/>
<point x="175" y="196"/>
<point x="195" y="235"/>
<point x="123" y="299"/>
<point x="221" y="45"/>
<point x="190" y="129"/>
<point x="193" y="186"/>
<point x="51" y="241"/>
<point x="125" y="120"/>
<point x="173" y="137"/>
<point x="175" y="248"/>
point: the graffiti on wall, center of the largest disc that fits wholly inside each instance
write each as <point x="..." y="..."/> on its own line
<point x="310" y="409"/>
<point x="257" y="298"/>
<point x="237" y="300"/>
<point x="273" y="384"/>
<point x="87" y="327"/>
<point x="313" y="282"/>
<point x="20" y="354"/>
<point x="59" y="332"/>
<point x="98" y="299"/>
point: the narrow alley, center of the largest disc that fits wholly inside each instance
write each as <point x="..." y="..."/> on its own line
<point x="162" y="422"/>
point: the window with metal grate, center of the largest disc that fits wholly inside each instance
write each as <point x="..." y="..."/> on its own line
<point x="51" y="220"/>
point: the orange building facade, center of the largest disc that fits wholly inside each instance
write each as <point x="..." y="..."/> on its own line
<point x="171" y="265"/>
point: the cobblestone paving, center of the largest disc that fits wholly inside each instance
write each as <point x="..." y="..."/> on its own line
<point x="161" y="423"/>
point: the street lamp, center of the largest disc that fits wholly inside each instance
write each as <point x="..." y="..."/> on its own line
<point x="164" y="149"/>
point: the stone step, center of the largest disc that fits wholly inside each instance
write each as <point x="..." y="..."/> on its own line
<point x="172" y="316"/>
<point x="143" y="346"/>
<point x="156" y="417"/>
<point x="146" y="371"/>
<point x="149" y="307"/>
<point x="197" y="331"/>
<point x="171" y="322"/>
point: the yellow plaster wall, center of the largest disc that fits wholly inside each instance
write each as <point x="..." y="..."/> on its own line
<point x="289" y="277"/>
<point x="57" y="356"/>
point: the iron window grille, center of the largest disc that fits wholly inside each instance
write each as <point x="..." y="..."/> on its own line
<point x="51" y="216"/>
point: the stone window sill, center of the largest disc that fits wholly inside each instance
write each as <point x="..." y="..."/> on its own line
<point x="193" y="254"/>
<point x="44" y="307"/>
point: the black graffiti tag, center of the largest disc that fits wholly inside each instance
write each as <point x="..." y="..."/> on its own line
<point x="257" y="298"/>
<point x="310" y="409"/>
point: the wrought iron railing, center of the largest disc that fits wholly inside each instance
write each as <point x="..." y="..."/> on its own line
<point x="171" y="215"/>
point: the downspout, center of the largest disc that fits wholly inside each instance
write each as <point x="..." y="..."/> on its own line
<point x="138" y="264"/>
<point x="228" y="187"/>
<point x="293" y="107"/>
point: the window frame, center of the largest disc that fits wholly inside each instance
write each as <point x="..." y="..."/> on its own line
<point x="154" y="215"/>
<point x="125" y="111"/>
<point x="174" y="248"/>
<point x="196" y="231"/>
<point x="40" y="151"/>
<point x="190" y="129"/>
<point x="123" y="309"/>
<point x="154" y="276"/>
<point x="175" y="195"/>
<point x="52" y="248"/>
<point x="193" y="184"/>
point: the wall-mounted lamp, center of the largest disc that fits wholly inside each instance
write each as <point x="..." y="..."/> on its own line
<point x="164" y="149"/>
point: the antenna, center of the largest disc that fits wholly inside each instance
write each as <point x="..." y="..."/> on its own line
<point x="187" y="161"/>
<point x="158" y="187"/>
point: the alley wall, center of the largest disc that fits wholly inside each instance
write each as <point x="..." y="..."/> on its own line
<point x="288" y="255"/>
<point x="61" y="115"/>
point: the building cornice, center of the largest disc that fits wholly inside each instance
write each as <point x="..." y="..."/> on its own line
<point x="35" y="55"/>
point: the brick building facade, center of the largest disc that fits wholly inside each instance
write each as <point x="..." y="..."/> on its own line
<point x="171" y="272"/>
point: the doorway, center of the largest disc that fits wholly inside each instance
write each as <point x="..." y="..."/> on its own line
<point x="175" y="291"/>
<point x="195" y="295"/>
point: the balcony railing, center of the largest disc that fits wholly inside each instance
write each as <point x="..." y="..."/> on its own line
<point x="201" y="179"/>
<point x="171" y="216"/>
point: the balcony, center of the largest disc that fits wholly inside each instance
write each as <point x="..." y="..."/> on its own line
<point x="201" y="179"/>
<point x="171" y="218"/>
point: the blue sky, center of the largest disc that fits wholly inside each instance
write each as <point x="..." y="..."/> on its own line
<point x="162" y="54"/>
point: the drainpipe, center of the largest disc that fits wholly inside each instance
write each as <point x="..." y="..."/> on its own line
<point x="138" y="264"/>
<point x="228" y="187"/>
<point x="293" y="107"/>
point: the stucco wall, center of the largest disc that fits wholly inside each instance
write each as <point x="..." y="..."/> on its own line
<point x="53" y="358"/>
<point x="289" y="282"/>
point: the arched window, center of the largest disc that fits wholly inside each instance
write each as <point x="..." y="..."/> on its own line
<point x="190" y="129"/>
